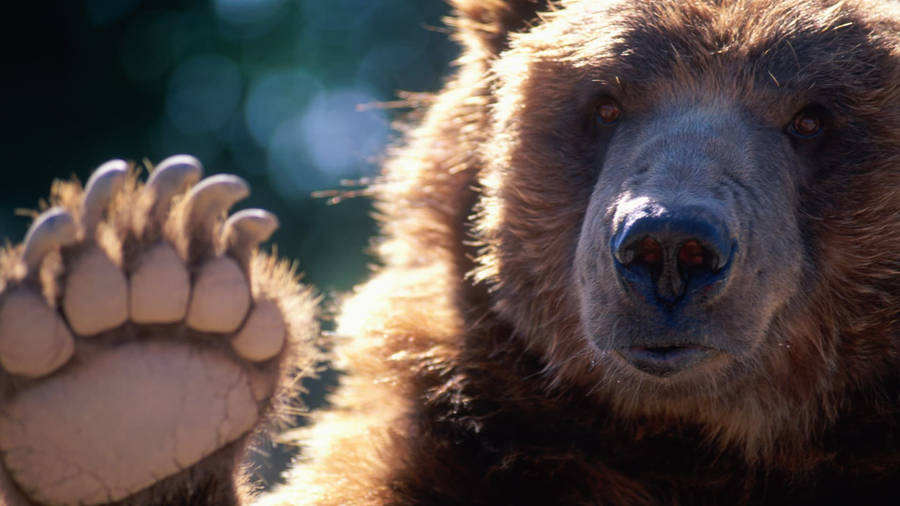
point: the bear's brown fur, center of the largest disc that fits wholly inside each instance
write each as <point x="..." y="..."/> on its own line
<point x="531" y="338"/>
<point x="472" y="377"/>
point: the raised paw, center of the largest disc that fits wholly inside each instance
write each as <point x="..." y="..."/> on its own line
<point x="142" y="337"/>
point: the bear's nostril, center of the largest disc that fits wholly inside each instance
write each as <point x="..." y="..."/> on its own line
<point x="649" y="251"/>
<point x="692" y="254"/>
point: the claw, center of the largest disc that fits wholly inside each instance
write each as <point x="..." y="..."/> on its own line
<point x="103" y="184"/>
<point x="246" y="229"/>
<point x="213" y="196"/>
<point x="171" y="176"/>
<point x="54" y="228"/>
<point x="206" y="203"/>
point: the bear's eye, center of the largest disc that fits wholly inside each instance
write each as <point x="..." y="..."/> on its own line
<point x="607" y="111"/>
<point x="807" y="123"/>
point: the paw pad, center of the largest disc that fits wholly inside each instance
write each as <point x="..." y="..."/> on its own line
<point x="221" y="297"/>
<point x="154" y="286"/>
<point x="178" y="330"/>
<point x="95" y="297"/>
<point x="160" y="286"/>
<point x="34" y="340"/>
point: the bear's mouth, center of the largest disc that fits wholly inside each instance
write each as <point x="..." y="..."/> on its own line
<point x="664" y="361"/>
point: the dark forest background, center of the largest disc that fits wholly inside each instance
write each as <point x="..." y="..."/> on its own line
<point x="267" y="89"/>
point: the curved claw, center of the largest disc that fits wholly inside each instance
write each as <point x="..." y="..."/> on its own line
<point x="210" y="199"/>
<point x="246" y="229"/>
<point x="171" y="176"/>
<point x="102" y="185"/>
<point x="54" y="228"/>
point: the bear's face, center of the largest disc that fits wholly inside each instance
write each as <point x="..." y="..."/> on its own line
<point x="657" y="182"/>
<point x="690" y="240"/>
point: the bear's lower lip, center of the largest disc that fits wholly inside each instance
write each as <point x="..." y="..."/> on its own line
<point x="665" y="361"/>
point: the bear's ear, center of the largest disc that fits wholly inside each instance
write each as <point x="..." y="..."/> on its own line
<point x="488" y="23"/>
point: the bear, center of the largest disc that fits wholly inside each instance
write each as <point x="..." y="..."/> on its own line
<point x="633" y="252"/>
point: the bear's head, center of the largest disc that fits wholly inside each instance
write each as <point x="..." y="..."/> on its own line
<point x="692" y="209"/>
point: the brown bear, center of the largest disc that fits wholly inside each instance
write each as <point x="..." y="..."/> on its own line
<point x="635" y="252"/>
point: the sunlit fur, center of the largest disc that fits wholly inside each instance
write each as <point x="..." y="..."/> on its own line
<point x="123" y="234"/>
<point x="470" y="379"/>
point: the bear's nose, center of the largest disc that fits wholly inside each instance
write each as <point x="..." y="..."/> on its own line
<point x="673" y="258"/>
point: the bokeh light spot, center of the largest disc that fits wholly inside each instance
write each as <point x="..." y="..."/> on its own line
<point x="331" y="134"/>
<point x="333" y="14"/>
<point x="339" y="136"/>
<point x="288" y="162"/>
<point x="203" y="93"/>
<point x="276" y="97"/>
<point x="386" y="66"/>
<point x="249" y="17"/>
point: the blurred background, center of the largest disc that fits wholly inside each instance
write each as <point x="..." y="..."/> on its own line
<point x="283" y="93"/>
<point x="267" y="89"/>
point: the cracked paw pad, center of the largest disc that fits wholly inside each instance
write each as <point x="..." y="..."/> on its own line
<point x="83" y="439"/>
<point x="173" y="324"/>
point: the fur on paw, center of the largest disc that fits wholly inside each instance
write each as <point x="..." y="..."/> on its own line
<point x="142" y="334"/>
